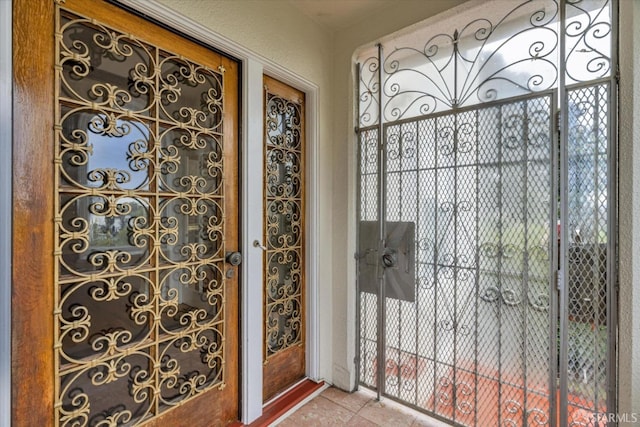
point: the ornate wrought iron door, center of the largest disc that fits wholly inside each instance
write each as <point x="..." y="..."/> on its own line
<point x="284" y="258"/>
<point x="144" y="186"/>
<point x="495" y="142"/>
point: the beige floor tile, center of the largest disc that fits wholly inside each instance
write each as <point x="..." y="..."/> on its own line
<point x="352" y="401"/>
<point x="319" y="412"/>
<point x="424" y="421"/>
<point x="385" y="415"/>
<point x="358" y="421"/>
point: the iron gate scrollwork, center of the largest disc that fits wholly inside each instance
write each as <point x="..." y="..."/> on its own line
<point x="458" y="133"/>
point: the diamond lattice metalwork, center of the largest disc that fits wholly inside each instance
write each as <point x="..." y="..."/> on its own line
<point x="587" y="158"/>
<point x="470" y="155"/>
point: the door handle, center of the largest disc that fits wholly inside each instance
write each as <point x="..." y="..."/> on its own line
<point x="257" y="244"/>
<point x="234" y="258"/>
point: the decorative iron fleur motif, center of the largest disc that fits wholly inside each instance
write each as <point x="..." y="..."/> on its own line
<point x="116" y="44"/>
<point x="77" y="327"/>
<point x="111" y="95"/>
<point x="110" y="289"/>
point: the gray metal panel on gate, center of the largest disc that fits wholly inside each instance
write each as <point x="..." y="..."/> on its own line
<point x="398" y="259"/>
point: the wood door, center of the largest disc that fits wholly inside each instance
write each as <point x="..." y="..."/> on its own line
<point x="284" y="280"/>
<point x="125" y="205"/>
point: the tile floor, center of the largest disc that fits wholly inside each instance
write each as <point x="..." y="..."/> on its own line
<point x="334" y="407"/>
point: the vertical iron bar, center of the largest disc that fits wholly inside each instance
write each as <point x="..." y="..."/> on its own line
<point x="455" y="223"/>
<point x="435" y="264"/>
<point x="157" y="290"/>
<point x="455" y="264"/>
<point x="477" y="278"/>
<point x="553" y="268"/>
<point x="612" y="223"/>
<point x="595" y="268"/>
<point x="399" y="351"/>
<point x="612" y="220"/>
<point x="455" y="69"/>
<point x="400" y="218"/>
<point x="359" y="355"/>
<point x="564" y="210"/>
<point x="382" y="201"/>
<point x="500" y="246"/>
<point x="417" y="262"/>
<point x="525" y="258"/>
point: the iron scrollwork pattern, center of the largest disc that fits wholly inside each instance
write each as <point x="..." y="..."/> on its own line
<point x="369" y="92"/>
<point x="461" y="113"/>
<point x="284" y="195"/>
<point x="139" y="292"/>
<point x="487" y="59"/>
<point x="484" y="60"/>
<point x="588" y="37"/>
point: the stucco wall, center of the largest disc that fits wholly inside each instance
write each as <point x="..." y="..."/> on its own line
<point x="629" y="222"/>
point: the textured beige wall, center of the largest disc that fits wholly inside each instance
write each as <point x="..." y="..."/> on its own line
<point x="277" y="31"/>
<point x="271" y="28"/>
<point x="629" y="222"/>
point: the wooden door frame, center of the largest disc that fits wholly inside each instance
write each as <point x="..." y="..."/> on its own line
<point x="32" y="257"/>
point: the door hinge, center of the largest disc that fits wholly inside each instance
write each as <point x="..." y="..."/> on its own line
<point x="559" y="280"/>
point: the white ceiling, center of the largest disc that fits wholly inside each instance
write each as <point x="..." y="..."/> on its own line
<point x="338" y="14"/>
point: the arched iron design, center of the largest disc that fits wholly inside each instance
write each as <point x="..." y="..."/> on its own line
<point x="486" y="60"/>
<point x="481" y="62"/>
<point x="588" y="34"/>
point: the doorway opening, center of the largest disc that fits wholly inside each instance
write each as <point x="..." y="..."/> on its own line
<point x="486" y="265"/>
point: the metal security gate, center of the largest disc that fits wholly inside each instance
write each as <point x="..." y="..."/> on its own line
<point x="486" y="217"/>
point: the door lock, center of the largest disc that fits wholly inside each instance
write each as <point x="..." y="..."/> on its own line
<point x="389" y="258"/>
<point x="234" y="258"/>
